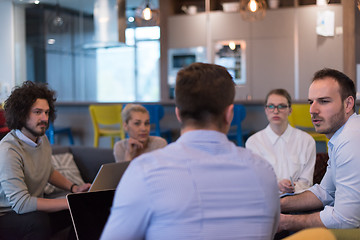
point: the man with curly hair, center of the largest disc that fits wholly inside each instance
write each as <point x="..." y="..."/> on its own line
<point x="25" y="168"/>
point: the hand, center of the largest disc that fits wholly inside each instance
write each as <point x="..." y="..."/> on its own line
<point x="132" y="149"/>
<point x="285" y="186"/>
<point x="134" y="144"/>
<point x="82" y="188"/>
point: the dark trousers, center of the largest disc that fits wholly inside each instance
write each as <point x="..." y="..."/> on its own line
<point x="34" y="225"/>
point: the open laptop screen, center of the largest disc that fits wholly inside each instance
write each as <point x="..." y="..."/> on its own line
<point x="108" y="176"/>
<point x="89" y="212"/>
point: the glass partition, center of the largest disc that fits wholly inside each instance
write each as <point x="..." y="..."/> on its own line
<point x="55" y="42"/>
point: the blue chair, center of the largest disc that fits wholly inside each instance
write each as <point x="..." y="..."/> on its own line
<point x="236" y="132"/>
<point x="156" y="112"/>
<point x="51" y="131"/>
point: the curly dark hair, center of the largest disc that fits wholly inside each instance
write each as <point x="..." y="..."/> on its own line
<point x="19" y="103"/>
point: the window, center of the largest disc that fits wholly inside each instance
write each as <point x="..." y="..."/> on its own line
<point x="131" y="73"/>
<point x="57" y="56"/>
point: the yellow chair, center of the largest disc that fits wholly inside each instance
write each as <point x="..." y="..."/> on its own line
<point x="300" y="118"/>
<point x="107" y="122"/>
<point x="313" y="234"/>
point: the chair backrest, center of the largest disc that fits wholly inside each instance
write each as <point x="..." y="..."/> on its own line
<point x="239" y="114"/>
<point x="2" y="118"/>
<point x="106" y="115"/>
<point x="156" y="113"/>
<point x="300" y="116"/>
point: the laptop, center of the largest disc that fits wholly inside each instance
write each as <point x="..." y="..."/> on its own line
<point x="89" y="212"/>
<point x="108" y="176"/>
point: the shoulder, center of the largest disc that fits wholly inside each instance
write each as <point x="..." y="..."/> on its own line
<point x="301" y="135"/>
<point x="256" y="135"/>
<point x="261" y="169"/>
<point x="120" y="144"/>
<point x="255" y="159"/>
<point x="349" y="134"/>
<point x="10" y="143"/>
<point x="157" y="141"/>
<point x="254" y="139"/>
<point x="352" y="126"/>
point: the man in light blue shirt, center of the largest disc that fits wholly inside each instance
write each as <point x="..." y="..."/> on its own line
<point x="202" y="186"/>
<point x="332" y="98"/>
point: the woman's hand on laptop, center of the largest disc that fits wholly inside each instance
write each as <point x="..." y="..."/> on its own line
<point x="82" y="188"/>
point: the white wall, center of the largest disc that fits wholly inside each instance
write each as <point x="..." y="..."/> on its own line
<point x="7" y="59"/>
<point x="282" y="50"/>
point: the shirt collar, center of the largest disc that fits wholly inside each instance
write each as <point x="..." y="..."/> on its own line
<point x="337" y="133"/>
<point x="203" y="135"/>
<point x="27" y="140"/>
<point x="274" y="137"/>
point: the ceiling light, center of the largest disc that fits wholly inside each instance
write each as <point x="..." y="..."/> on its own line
<point x="144" y="11"/>
<point x="252" y="10"/>
<point x="56" y="22"/>
<point x="51" y="41"/>
<point x="253" y="6"/>
<point x="232" y="45"/>
<point x="146" y="15"/>
<point x="322" y="2"/>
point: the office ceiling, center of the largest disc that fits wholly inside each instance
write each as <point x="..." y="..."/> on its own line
<point x="86" y="6"/>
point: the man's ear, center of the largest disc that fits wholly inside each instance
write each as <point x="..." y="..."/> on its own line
<point x="229" y="114"/>
<point x="349" y="104"/>
<point x="177" y="112"/>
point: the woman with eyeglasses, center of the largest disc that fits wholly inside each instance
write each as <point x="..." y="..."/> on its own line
<point x="137" y="125"/>
<point x="291" y="152"/>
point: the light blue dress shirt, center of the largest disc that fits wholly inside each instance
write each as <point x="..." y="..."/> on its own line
<point x="200" y="187"/>
<point x="339" y="190"/>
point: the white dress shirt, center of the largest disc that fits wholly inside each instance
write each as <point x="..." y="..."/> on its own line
<point x="292" y="154"/>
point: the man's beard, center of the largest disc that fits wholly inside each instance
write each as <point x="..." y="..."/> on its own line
<point x="35" y="133"/>
<point x="335" y="122"/>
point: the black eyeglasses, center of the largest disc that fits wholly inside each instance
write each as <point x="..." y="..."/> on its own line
<point x="280" y="107"/>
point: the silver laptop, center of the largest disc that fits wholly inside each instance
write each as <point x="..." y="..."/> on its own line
<point x="108" y="176"/>
<point x="89" y="212"/>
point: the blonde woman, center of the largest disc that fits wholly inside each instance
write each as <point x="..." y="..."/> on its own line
<point x="136" y="122"/>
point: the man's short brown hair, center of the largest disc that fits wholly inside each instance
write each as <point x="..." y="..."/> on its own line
<point x="202" y="93"/>
<point x="347" y="86"/>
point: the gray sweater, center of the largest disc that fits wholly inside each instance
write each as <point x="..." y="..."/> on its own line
<point x="24" y="172"/>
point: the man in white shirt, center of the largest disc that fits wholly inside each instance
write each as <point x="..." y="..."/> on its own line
<point x="202" y="186"/>
<point x="332" y="98"/>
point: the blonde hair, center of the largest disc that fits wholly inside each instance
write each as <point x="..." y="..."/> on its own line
<point x="129" y="108"/>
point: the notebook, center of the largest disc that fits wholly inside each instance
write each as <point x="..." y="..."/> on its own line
<point x="89" y="212"/>
<point x="108" y="176"/>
